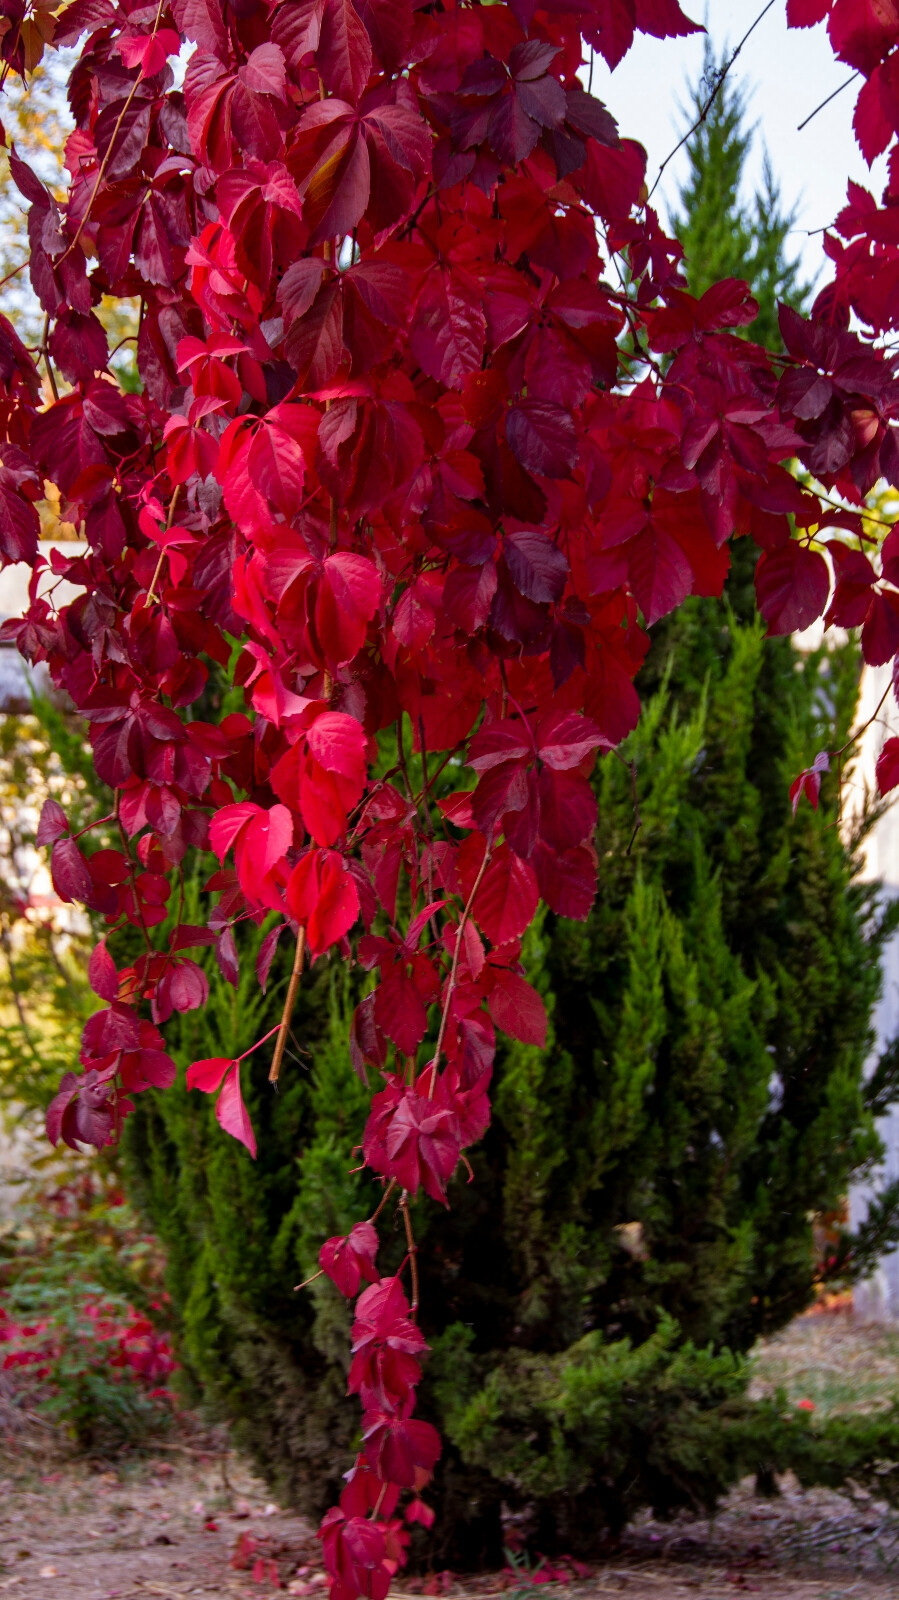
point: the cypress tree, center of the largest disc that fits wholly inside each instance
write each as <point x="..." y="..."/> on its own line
<point x="641" y="1208"/>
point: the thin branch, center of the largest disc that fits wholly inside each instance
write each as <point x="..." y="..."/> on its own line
<point x="14" y="274"/>
<point x="44" y="351"/>
<point x="711" y="99"/>
<point x="151" y="592"/>
<point x="14" y="988"/>
<point x="412" y="1248"/>
<point x="293" y="989"/>
<point x="383" y="1200"/>
<point x="854" y="737"/>
<point x="111" y="146"/>
<point x="306" y="1281"/>
<point x="801" y="125"/>
<point x="454" y="969"/>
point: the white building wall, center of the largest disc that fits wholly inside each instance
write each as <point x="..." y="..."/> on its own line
<point x="878" y="1298"/>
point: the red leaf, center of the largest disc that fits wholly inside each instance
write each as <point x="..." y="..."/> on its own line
<point x="564" y="739"/>
<point x="323" y="896"/>
<point x="809" y="782"/>
<point x="517" y="1008"/>
<point x="101" y="973"/>
<point x="208" y="1074"/>
<point x="70" y="872"/>
<point x="52" y="825"/>
<point x="538" y="567"/>
<point x="567" y="809"/>
<point x="418" y="1511"/>
<point x="567" y="882"/>
<point x="507" y="899"/>
<point x="231" y="1113"/>
<point x="348" y="1260"/>
<point x="398" y="1447"/>
<point x="542" y="438"/>
<point x="805" y="13"/>
<point x="448" y="330"/>
<point x="400" y="1011"/>
<point x="792" y="585"/>
<point x="888" y="766"/>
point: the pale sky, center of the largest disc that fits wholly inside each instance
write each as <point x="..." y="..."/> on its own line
<point x="790" y="72"/>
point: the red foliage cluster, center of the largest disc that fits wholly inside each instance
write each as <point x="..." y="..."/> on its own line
<point x="128" y="1344"/>
<point x="406" y="439"/>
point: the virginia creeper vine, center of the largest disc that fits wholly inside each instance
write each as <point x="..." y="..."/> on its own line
<point x="403" y="449"/>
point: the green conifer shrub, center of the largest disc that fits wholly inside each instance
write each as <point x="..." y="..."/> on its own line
<point x="641" y="1209"/>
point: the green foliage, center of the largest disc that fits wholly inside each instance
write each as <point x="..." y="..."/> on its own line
<point x="722" y="235"/>
<point x="643" y="1205"/>
<point x="44" y="994"/>
<point x="81" y="1320"/>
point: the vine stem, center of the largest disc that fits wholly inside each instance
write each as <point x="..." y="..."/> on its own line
<point x="454" y="970"/>
<point x="854" y="737"/>
<point x="805" y="123"/>
<point x="14" y="274"/>
<point x="109" y="149"/>
<point x="44" y="351"/>
<point x="293" y="989"/>
<point x="306" y="1281"/>
<point x="373" y="1218"/>
<point x="383" y="1200"/>
<point x="412" y="1249"/>
<point x="707" y="106"/>
<point x="151" y="592"/>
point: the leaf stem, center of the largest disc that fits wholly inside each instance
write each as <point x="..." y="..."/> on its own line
<point x="259" y="1043"/>
<point x="306" y="1281"/>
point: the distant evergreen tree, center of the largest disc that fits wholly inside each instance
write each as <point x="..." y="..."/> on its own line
<point x="642" y="1206"/>
<point x="723" y="235"/>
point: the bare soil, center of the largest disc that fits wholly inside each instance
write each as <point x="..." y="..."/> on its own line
<point x="174" y="1526"/>
<point x="191" y="1519"/>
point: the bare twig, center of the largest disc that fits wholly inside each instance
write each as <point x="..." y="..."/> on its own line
<point x="801" y="125"/>
<point x="306" y="1281"/>
<point x="707" y="106"/>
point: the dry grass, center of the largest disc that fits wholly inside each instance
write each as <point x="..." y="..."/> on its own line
<point x="841" y="1365"/>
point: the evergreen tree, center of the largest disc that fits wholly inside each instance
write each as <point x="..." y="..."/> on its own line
<point x="642" y="1206"/>
<point x="641" y="1209"/>
<point x="722" y="235"/>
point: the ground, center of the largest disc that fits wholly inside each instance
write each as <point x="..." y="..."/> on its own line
<point x="190" y="1519"/>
